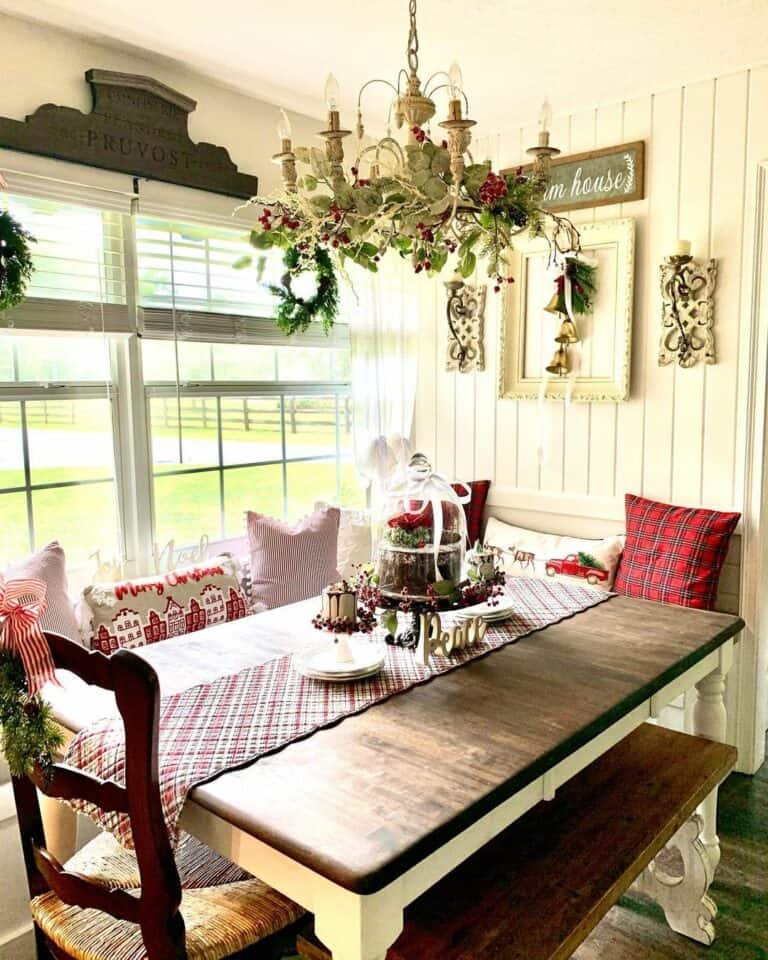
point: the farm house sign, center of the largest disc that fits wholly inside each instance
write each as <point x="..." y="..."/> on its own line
<point x="597" y="177"/>
<point x="137" y="126"/>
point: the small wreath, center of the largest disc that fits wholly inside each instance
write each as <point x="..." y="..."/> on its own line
<point x="15" y="261"/>
<point x="295" y="314"/>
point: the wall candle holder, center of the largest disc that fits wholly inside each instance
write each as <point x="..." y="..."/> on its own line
<point x="688" y="309"/>
<point x="465" y="313"/>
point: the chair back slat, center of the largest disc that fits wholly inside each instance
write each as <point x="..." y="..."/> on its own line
<point x="66" y="783"/>
<point x="75" y="890"/>
<point x="156" y="906"/>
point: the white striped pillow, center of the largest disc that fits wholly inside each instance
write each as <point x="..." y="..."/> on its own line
<point x="288" y="563"/>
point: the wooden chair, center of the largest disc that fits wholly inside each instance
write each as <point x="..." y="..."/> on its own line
<point x="107" y="903"/>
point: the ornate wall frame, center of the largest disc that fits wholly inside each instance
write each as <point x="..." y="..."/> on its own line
<point x="602" y="370"/>
<point x="465" y="314"/>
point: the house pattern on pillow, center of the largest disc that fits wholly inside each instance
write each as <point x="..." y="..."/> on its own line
<point x="130" y="628"/>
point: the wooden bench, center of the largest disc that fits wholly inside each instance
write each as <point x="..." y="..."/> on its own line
<point x="537" y="890"/>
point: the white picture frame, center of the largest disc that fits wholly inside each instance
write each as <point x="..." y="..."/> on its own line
<point x="601" y="360"/>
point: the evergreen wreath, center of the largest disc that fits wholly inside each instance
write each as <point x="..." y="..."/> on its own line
<point x="295" y="314"/>
<point x="30" y="736"/>
<point x="15" y="261"/>
<point x="583" y="277"/>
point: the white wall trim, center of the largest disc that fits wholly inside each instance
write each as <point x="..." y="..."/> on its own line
<point x="12" y="936"/>
<point x="540" y="501"/>
<point x="751" y="725"/>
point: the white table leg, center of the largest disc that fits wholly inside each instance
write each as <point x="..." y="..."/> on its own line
<point x="60" y="825"/>
<point x="358" y="928"/>
<point x="709" y="720"/>
<point x="682" y="888"/>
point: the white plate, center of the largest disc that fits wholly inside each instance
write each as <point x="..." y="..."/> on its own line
<point x="321" y="663"/>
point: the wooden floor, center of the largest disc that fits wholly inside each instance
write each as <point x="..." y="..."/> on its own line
<point x="635" y="929"/>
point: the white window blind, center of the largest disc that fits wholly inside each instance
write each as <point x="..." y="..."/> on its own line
<point x="79" y="282"/>
<point x="190" y="289"/>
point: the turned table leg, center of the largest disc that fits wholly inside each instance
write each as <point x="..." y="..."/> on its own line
<point x="709" y="720"/>
<point x="681" y="888"/>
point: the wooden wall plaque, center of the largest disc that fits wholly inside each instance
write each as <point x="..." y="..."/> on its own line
<point x="137" y="126"/>
<point x="596" y="178"/>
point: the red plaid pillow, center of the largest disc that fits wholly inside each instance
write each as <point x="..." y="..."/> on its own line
<point x="673" y="554"/>
<point x="474" y="509"/>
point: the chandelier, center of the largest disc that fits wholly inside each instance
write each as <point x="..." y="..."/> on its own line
<point x="426" y="199"/>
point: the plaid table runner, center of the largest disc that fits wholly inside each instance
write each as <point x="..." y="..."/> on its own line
<point x="232" y="721"/>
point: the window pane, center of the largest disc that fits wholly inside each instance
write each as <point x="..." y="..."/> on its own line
<point x="199" y="431"/>
<point x="305" y="363"/>
<point x="83" y="519"/>
<point x="187" y="507"/>
<point x="159" y="361"/>
<point x="14" y="530"/>
<point x="308" y="482"/>
<point x="79" y="251"/>
<point x="69" y="440"/>
<point x="244" y="361"/>
<point x="310" y="426"/>
<point x="6" y="359"/>
<point x="352" y="492"/>
<point x="250" y="428"/>
<point x="11" y="449"/>
<point x="57" y="359"/>
<point x="251" y="488"/>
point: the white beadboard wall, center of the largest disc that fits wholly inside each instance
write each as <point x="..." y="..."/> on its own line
<point x="682" y="435"/>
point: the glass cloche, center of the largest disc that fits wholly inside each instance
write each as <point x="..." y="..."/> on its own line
<point x="422" y="533"/>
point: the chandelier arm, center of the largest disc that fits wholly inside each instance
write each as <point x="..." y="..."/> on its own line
<point x="437" y="73"/>
<point x="402" y="72"/>
<point x="445" y="86"/>
<point x="368" y="84"/>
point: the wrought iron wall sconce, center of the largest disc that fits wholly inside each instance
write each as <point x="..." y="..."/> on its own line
<point x="465" y="312"/>
<point x="688" y="308"/>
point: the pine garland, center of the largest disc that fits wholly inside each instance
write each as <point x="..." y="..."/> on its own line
<point x="583" y="277"/>
<point x="30" y="736"/>
<point x="16" y="265"/>
<point x="295" y="314"/>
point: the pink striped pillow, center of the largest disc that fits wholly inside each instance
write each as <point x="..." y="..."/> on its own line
<point x="49" y="565"/>
<point x="288" y="563"/>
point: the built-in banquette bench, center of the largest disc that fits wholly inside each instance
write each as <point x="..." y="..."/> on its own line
<point x="538" y="889"/>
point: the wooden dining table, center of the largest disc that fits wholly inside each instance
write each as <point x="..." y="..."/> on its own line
<point x="358" y="820"/>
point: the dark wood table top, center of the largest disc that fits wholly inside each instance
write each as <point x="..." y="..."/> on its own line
<point x="363" y="801"/>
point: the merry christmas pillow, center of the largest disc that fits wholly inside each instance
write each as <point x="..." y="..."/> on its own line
<point x="528" y="553"/>
<point x="137" y="612"/>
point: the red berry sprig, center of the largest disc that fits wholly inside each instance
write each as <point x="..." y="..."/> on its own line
<point x="493" y="188"/>
<point x="418" y="133"/>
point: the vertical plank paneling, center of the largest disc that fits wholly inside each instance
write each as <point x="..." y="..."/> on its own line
<point x="609" y="126"/>
<point x="662" y="175"/>
<point x="425" y="412"/>
<point x="507" y="411"/>
<point x="630" y="416"/>
<point x="576" y="446"/>
<point x="726" y="229"/>
<point x="445" y="388"/>
<point x="533" y="428"/>
<point x="553" y="413"/>
<point x="694" y="219"/>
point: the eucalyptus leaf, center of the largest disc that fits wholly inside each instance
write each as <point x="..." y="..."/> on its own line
<point x="467" y="264"/>
<point x="321" y="203"/>
<point x="441" y="162"/>
<point x="434" y="188"/>
<point x="308" y="182"/>
<point x="475" y="176"/>
<point x="242" y="262"/>
<point x="320" y="164"/>
<point x="301" y="154"/>
<point x="263" y="240"/>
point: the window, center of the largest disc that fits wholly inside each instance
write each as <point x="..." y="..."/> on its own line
<point x="247" y="427"/>
<point x="57" y="469"/>
<point x="236" y="416"/>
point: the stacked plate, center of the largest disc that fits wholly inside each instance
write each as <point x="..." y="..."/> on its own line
<point x="324" y="663"/>
<point x="491" y="614"/>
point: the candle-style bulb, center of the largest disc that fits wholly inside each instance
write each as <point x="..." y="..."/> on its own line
<point x="455" y="81"/>
<point x="545" y="116"/>
<point x="332" y="92"/>
<point x="284" y="126"/>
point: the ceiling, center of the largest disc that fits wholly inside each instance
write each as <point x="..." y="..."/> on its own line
<point x="512" y="52"/>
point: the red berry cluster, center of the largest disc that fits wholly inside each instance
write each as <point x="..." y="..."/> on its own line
<point x="359" y="181"/>
<point x="336" y="212"/>
<point x="500" y="280"/>
<point x="494" y="188"/>
<point x="419" y="134"/>
<point x="266" y="218"/>
<point x="291" y="222"/>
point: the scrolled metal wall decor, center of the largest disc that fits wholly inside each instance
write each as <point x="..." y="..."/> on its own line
<point x="465" y="312"/>
<point x="688" y="311"/>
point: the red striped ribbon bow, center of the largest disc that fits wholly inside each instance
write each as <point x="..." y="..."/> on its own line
<point x="22" y="603"/>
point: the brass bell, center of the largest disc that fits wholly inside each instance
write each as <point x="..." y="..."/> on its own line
<point x="559" y="364"/>
<point x="567" y="332"/>
<point x="554" y="304"/>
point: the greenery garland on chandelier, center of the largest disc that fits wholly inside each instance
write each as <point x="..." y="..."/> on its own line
<point x="427" y="200"/>
<point x="15" y="261"/>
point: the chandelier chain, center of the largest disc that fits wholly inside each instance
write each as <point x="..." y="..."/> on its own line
<point x="413" y="40"/>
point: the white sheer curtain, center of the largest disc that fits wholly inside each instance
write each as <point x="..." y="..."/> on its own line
<point x="383" y="313"/>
